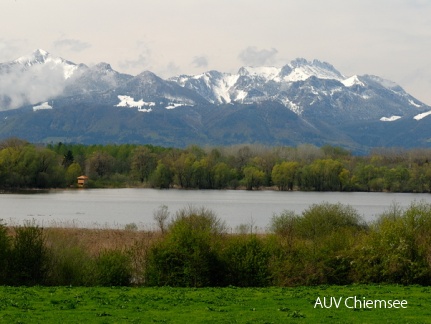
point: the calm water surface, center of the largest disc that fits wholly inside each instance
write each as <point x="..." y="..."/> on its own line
<point x="118" y="207"/>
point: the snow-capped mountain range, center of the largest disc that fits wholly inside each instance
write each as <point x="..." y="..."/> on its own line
<point x="301" y="86"/>
<point x="313" y="96"/>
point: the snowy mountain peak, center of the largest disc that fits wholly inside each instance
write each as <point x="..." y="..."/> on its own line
<point x="260" y="83"/>
<point x="267" y="72"/>
<point x="38" y="56"/>
<point x="41" y="58"/>
<point x="301" y="70"/>
<point x="353" y="80"/>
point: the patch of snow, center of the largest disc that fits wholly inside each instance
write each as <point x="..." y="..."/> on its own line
<point x="292" y="106"/>
<point x="42" y="106"/>
<point x="414" y="103"/>
<point x="390" y="119"/>
<point x="350" y="82"/>
<point x="184" y="101"/>
<point x="222" y="87"/>
<point x="174" y="105"/>
<point x="240" y="95"/>
<point x="147" y="110"/>
<point x="303" y="72"/>
<point x="335" y="90"/>
<point x="423" y="115"/>
<point x="267" y="72"/>
<point x="127" y="101"/>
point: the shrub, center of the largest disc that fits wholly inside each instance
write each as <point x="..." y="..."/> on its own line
<point x="398" y="248"/>
<point x="324" y="219"/>
<point x="284" y="224"/>
<point x="246" y="260"/>
<point x="186" y="256"/>
<point x="314" y="248"/>
<point x="28" y="262"/>
<point x="113" y="268"/>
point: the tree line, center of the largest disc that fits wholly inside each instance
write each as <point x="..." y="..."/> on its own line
<point x="306" y="167"/>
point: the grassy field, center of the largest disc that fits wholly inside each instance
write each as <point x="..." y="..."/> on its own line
<point x="209" y="305"/>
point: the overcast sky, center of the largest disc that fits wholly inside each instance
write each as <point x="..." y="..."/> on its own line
<point x="388" y="38"/>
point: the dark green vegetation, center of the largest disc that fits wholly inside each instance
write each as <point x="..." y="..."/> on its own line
<point x="326" y="244"/>
<point x="306" y="167"/>
<point x="207" y="305"/>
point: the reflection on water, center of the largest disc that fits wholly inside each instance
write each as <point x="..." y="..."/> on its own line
<point x="118" y="207"/>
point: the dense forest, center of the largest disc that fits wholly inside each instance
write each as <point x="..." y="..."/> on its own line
<point x="306" y="167"/>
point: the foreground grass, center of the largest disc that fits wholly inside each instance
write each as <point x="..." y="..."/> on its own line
<point x="207" y="305"/>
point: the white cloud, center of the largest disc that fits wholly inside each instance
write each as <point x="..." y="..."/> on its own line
<point x="26" y="86"/>
<point x="253" y="56"/>
<point x="200" y="61"/>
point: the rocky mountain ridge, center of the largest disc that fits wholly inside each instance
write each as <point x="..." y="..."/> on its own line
<point x="301" y="102"/>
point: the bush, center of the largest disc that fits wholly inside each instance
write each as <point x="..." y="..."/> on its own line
<point x="314" y="248"/>
<point x="246" y="260"/>
<point x="324" y="219"/>
<point x="187" y="256"/>
<point x="113" y="268"/>
<point x="398" y="248"/>
<point x="28" y="262"/>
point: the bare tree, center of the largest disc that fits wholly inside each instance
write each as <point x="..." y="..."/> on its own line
<point x="161" y="216"/>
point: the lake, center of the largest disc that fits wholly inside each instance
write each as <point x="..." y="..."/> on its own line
<point x="115" y="208"/>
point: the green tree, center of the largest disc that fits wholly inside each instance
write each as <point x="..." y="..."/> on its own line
<point x="48" y="172"/>
<point x="68" y="159"/>
<point x="183" y="170"/>
<point x="203" y="177"/>
<point x="144" y="162"/>
<point x="162" y="176"/>
<point x="253" y="177"/>
<point x="368" y="177"/>
<point x="284" y="175"/>
<point x="223" y="175"/>
<point x="20" y="165"/>
<point x="72" y="173"/>
<point x="396" y="178"/>
<point x="100" y="164"/>
<point x="323" y="175"/>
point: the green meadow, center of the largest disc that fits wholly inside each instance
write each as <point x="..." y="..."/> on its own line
<point x="209" y="305"/>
